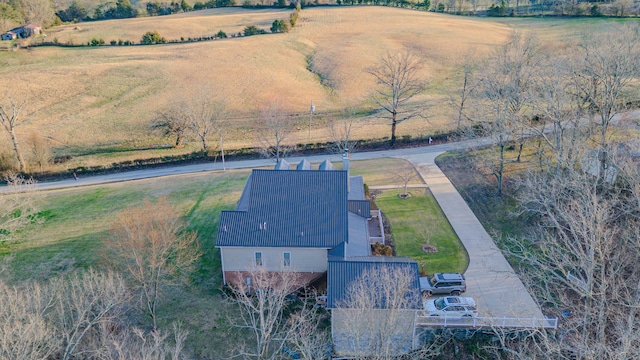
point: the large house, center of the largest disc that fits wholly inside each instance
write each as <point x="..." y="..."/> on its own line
<point x="309" y="222"/>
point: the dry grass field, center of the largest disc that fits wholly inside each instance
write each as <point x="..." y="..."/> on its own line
<point x="96" y="103"/>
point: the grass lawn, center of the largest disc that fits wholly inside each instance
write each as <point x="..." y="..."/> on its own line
<point x="416" y="219"/>
<point x="76" y="221"/>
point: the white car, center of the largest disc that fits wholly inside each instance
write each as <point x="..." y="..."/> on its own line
<point x="451" y="306"/>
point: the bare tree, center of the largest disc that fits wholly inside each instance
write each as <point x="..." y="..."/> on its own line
<point x="467" y="75"/>
<point x="556" y="120"/>
<point x="341" y="130"/>
<point x="205" y="116"/>
<point x="39" y="12"/>
<point x="13" y="113"/>
<point x="474" y="6"/>
<point x="375" y="320"/>
<point x="86" y="306"/>
<point x="262" y="305"/>
<point x="405" y="175"/>
<point x="311" y="334"/>
<point x="154" y="345"/>
<point x="583" y="259"/>
<point x="273" y="130"/>
<point x="173" y="122"/>
<point x="18" y="206"/>
<point x="24" y="331"/>
<point x="399" y="81"/>
<point x="153" y="247"/>
<point x="40" y="150"/>
<point x="608" y="64"/>
<point x="506" y="86"/>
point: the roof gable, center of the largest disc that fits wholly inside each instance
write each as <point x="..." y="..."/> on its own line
<point x="288" y="208"/>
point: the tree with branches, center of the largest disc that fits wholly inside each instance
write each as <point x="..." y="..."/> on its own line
<point x="85" y="305"/>
<point x="264" y="302"/>
<point x="204" y="115"/>
<point x="341" y="130"/>
<point x="607" y="65"/>
<point x="151" y="244"/>
<point x="398" y="78"/>
<point x="506" y="87"/>
<point x="467" y="74"/>
<point x="13" y="113"/>
<point x="273" y="130"/>
<point x="375" y="319"/>
<point x="173" y="122"/>
<point x="582" y="258"/>
<point x="18" y="207"/>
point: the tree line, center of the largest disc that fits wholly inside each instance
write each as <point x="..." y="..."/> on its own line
<point x="616" y="8"/>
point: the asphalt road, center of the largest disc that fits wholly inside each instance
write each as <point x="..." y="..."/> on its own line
<point x="242" y="164"/>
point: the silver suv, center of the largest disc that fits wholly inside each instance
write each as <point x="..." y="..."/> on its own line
<point x="443" y="283"/>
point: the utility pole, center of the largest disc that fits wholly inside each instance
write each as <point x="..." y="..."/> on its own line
<point x="222" y="152"/>
<point x="313" y="108"/>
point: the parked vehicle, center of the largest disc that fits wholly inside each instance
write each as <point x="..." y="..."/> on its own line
<point x="451" y="306"/>
<point x="443" y="283"/>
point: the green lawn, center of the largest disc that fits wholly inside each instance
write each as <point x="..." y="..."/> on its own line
<point x="414" y="221"/>
<point x="76" y="221"/>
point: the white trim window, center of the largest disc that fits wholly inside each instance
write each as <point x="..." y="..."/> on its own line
<point x="286" y="259"/>
<point x="257" y="257"/>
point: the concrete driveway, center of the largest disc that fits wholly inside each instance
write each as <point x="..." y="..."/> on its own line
<point x="491" y="281"/>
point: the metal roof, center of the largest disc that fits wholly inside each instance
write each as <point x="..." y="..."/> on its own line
<point x="326" y="165"/>
<point x="282" y="165"/>
<point x="356" y="188"/>
<point x="358" y="244"/>
<point x="288" y="209"/>
<point x="360" y="207"/>
<point x="303" y="165"/>
<point x="342" y="271"/>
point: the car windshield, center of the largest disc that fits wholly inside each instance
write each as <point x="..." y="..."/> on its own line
<point x="440" y="304"/>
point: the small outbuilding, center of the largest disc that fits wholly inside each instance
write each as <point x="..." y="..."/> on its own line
<point x="9" y="35"/>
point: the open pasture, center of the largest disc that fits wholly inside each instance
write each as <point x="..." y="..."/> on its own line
<point x="96" y="103"/>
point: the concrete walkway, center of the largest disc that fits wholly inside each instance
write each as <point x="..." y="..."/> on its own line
<point x="491" y="281"/>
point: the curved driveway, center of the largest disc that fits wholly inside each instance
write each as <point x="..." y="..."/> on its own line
<point x="491" y="280"/>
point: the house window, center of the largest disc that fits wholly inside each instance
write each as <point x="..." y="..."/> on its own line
<point x="286" y="259"/>
<point x="258" y="258"/>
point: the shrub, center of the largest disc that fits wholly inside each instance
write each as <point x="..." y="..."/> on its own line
<point x="253" y="30"/>
<point x="96" y="42"/>
<point x="151" y="38"/>
<point x="221" y="34"/>
<point x="279" y="26"/>
<point x="113" y="43"/>
<point x="379" y="249"/>
<point x="293" y="18"/>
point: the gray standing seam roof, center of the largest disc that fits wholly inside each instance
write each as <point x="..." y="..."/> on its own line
<point x="326" y="166"/>
<point x="289" y="209"/>
<point x="342" y="271"/>
<point x="360" y="207"/>
<point x="282" y="165"/>
<point x="304" y="165"/>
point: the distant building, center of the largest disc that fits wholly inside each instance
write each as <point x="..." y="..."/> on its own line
<point x="31" y="30"/>
<point x="22" y="32"/>
<point x="9" y="35"/>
